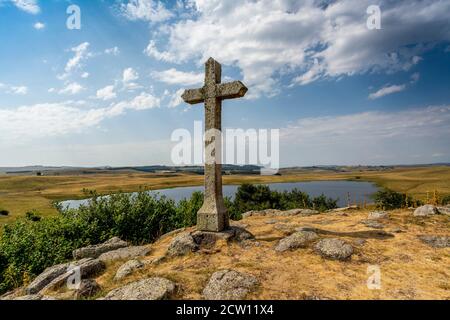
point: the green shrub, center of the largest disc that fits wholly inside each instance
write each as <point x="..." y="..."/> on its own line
<point x="32" y="243"/>
<point x="445" y="200"/>
<point x="3" y="212"/>
<point x="388" y="200"/>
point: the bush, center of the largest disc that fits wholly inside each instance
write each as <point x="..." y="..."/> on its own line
<point x="388" y="200"/>
<point x="32" y="243"/>
<point x="3" y="212"/>
<point x="445" y="200"/>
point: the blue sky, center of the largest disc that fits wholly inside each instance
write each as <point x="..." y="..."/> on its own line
<point x="108" y="94"/>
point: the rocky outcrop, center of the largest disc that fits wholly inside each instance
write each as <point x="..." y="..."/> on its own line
<point x="426" y="210"/>
<point x="46" y="277"/>
<point x="335" y="249"/>
<point x="444" y="210"/>
<point x="436" y="241"/>
<point x="155" y="288"/>
<point x="86" y="267"/>
<point x="372" y="224"/>
<point x="373" y="215"/>
<point x="229" y="285"/>
<point x="88" y="288"/>
<point x="128" y="268"/>
<point x="34" y="297"/>
<point x="125" y="253"/>
<point x="95" y="251"/>
<point x="296" y="240"/>
<point x="182" y="245"/>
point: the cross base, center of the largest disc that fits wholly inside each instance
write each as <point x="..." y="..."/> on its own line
<point x="212" y="216"/>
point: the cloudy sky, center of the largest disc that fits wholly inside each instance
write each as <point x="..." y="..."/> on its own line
<point x="109" y="93"/>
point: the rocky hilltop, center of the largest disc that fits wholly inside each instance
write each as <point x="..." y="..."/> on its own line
<point x="270" y="254"/>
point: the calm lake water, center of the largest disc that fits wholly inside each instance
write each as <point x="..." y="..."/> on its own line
<point x="333" y="189"/>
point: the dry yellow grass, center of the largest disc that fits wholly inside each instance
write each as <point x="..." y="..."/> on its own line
<point x="19" y="194"/>
<point x="410" y="269"/>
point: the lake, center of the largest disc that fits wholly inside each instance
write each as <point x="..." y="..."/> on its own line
<point x="358" y="190"/>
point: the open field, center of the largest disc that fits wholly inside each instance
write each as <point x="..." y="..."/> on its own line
<point x="21" y="193"/>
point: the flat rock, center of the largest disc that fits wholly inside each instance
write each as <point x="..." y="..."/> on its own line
<point x="128" y="268"/>
<point x="154" y="288"/>
<point x="436" y="241"/>
<point x="335" y="249"/>
<point x="444" y="210"/>
<point x="296" y="240"/>
<point x="87" y="289"/>
<point x="125" y="253"/>
<point x="95" y="251"/>
<point x="378" y="215"/>
<point x="229" y="285"/>
<point x="426" y="210"/>
<point x="47" y="276"/>
<point x="182" y="245"/>
<point x="372" y="224"/>
<point x="279" y="213"/>
<point x="87" y="267"/>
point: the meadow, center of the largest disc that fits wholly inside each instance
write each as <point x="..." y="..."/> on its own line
<point x="22" y="193"/>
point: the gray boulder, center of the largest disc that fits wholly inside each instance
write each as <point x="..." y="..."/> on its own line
<point x="87" y="267"/>
<point x="181" y="245"/>
<point x="229" y="285"/>
<point x="378" y="215"/>
<point x="155" y="288"/>
<point x="426" y="210"/>
<point x="444" y="210"/>
<point x="87" y="289"/>
<point x="125" y="253"/>
<point x="128" y="268"/>
<point x="47" y="276"/>
<point x="372" y="224"/>
<point x="436" y="241"/>
<point x="296" y="240"/>
<point x="334" y="249"/>
<point x="95" y="251"/>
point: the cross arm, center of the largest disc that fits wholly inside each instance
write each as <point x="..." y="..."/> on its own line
<point x="231" y="90"/>
<point x="193" y="96"/>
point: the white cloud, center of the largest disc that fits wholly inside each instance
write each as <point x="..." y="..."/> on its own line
<point x="112" y="51"/>
<point x="51" y="90"/>
<point x="175" y="99"/>
<point x="357" y="138"/>
<point x="176" y="77"/>
<point x="386" y="91"/>
<point x="80" y="53"/>
<point x="307" y="40"/>
<point x="72" y="89"/>
<point x="415" y="77"/>
<point x="107" y="93"/>
<point x="30" y="6"/>
<point x="39" y="26"/>
<point x="85" y="75"/>
<point x="129" y="75"/>
<point x="56" y="119"/>
<point x="149" y="10"/>
<point x="22" y="90"/>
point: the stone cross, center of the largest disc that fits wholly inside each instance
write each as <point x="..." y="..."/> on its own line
<point x="213" y="215"/>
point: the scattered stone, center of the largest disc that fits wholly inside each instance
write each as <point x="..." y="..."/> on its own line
<point x="271" y="221"/>
<point x="240" y="234"/>
<point x="444" y="210"/>
<point x="426" y="210"/>
<point x="343" y="209"/>
<point x="229" y="285"/>
<point x="436" y="241"/>
<point x="279" y="213"/>
<point x="372" y="224"/>
<point x="95" y="251"/>
<point x="335" y="249"/>
<point x="233" y="233"/>
<point x="181" y="245"/>
<point x="154" y="288"/>
<point x="397" y="230"/>
<point x="125" y="253"/>
<point x="296" y="240"/>
<point x="47" y="276"/>
<point x="87" y="289"/>
<point x="87" y="267"/>
<point x="378" y="215"/>
<point x="128" y="268"/>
